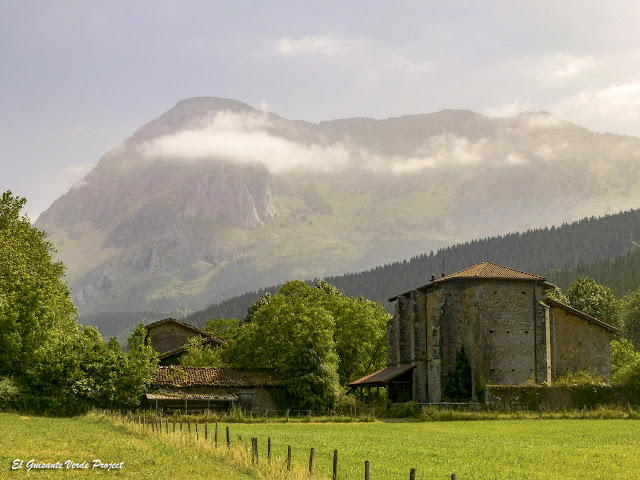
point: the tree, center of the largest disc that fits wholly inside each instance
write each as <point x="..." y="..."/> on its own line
<point x="632" y="319"/>
<point x="623" y="358"/>
<point x="47" y="361"/>
<point x="458" y="387"/>
<point x="347" y="335"/>
<point x="35" y="304"/>
<point x="199" y="355"/>
<point x="312" y="383"/>
<point x="596" y="300"/>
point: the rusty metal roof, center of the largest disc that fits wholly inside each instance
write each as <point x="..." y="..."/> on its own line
<point x="485" y="270"/>
<point x="381" y="377"/>
<point x="178" y="376"/>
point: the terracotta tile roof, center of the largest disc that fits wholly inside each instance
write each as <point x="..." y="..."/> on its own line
<point x="381" y="377"/>
<point x="486" y="270"/>
<point x="178" y="376"/>
<point x="491" y="270"/>
<point x="554" y="303"/>
<point x="199" y="331"/>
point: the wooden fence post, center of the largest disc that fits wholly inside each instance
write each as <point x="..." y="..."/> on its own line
<point x="367" y="470"/>
<point x="255" y="447"/>
<point x="196" y="430"/>
<point x="412" y="474"/>
<point x="206" y="431"/>
<point x="216" y="436"/>
<point x="174" y="426"/>
<point x="311" y="455"/>
<point x="228" y="440"/>
<point x="180" y="426"/>
<point x="269" y="448"/>
<point x="189" y="425"/>
<point x="454" y="476"/>
<point x="288" y="458"/>
<point x="166" y="422"/>
<point x="335" y="465"/>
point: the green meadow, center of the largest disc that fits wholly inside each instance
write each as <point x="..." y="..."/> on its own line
<point x="501" y="449"/>
<point x="495" y="449"/>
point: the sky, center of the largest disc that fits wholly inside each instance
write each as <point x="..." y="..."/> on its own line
<point x="79" y="77"/>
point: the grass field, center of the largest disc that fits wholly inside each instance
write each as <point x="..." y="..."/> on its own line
<point x="513" y="449"/>
<point x="85" y="439"/>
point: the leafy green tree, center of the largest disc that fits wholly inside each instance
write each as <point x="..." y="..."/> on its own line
<point x="458" y="387"/>
<point x="198" y="355"/>
<point x="348" y="334"/>
<point x="590" y="297"/>
<point x="623" y="358"/>
<point x="312" y="383"/>
<point x="225" y="328"/>
<point x="35" y="304"/>
<point x="47" y="361"/>
<point x="632" y="319"/>
<point x="556" y="294"/>
<point x="360" y="337"/>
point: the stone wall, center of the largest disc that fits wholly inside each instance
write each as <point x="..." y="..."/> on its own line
<point x="577" y="344"/>
<point x="256" y="399"/>
<point x="169" y="336"/>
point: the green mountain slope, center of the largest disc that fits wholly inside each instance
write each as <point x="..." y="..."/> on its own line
<point x="214" y="198"/>
<point x="561" y="254"/>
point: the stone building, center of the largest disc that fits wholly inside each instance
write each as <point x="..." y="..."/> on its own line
<point x="168" y="337"/>
<point x="198" y="388"/>
<point x="498" y="319"/>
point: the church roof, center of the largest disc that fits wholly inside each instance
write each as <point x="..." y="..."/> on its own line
<point x="484" y="270"/>
<point x="491" y="270"/>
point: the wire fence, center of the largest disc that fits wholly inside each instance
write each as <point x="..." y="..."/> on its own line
<point x="321" y="463"/>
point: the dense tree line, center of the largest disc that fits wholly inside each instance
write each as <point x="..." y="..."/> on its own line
<point x="48" y="362"/>
<point x="543" y="251"/>
<point x="317" y="338"/>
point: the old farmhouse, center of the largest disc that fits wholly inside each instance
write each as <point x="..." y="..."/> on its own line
<point x="499" y="320"/>
<point x="199" y="388"/>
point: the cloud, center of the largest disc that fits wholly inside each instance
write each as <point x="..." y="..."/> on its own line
<point x="514" y="159"/>
<point x="325" y="45"/>
<point x="508" y="109"/>
<point x="250" y="137"/>
<point x="438" y="151"/>
<point x="244" y="138"/>
<point x="71" y="175"/>
<point x="622" y="100"/>
<point x="562" y="65"/>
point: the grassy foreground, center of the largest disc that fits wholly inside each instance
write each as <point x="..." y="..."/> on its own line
<point x="94" y="437"/>
<point x="517" y="449"/>
<point x="513" y="449"/>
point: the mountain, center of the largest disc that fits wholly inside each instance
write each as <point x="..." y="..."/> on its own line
<point x="603" y="248"/>
<point x="215" y="198"/>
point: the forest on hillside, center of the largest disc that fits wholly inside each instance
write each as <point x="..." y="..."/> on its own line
<point x="562" y="254"/>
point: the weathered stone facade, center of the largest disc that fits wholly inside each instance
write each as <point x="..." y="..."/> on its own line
<point x="498" y="316"/>
<point x="168" y="337"/>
